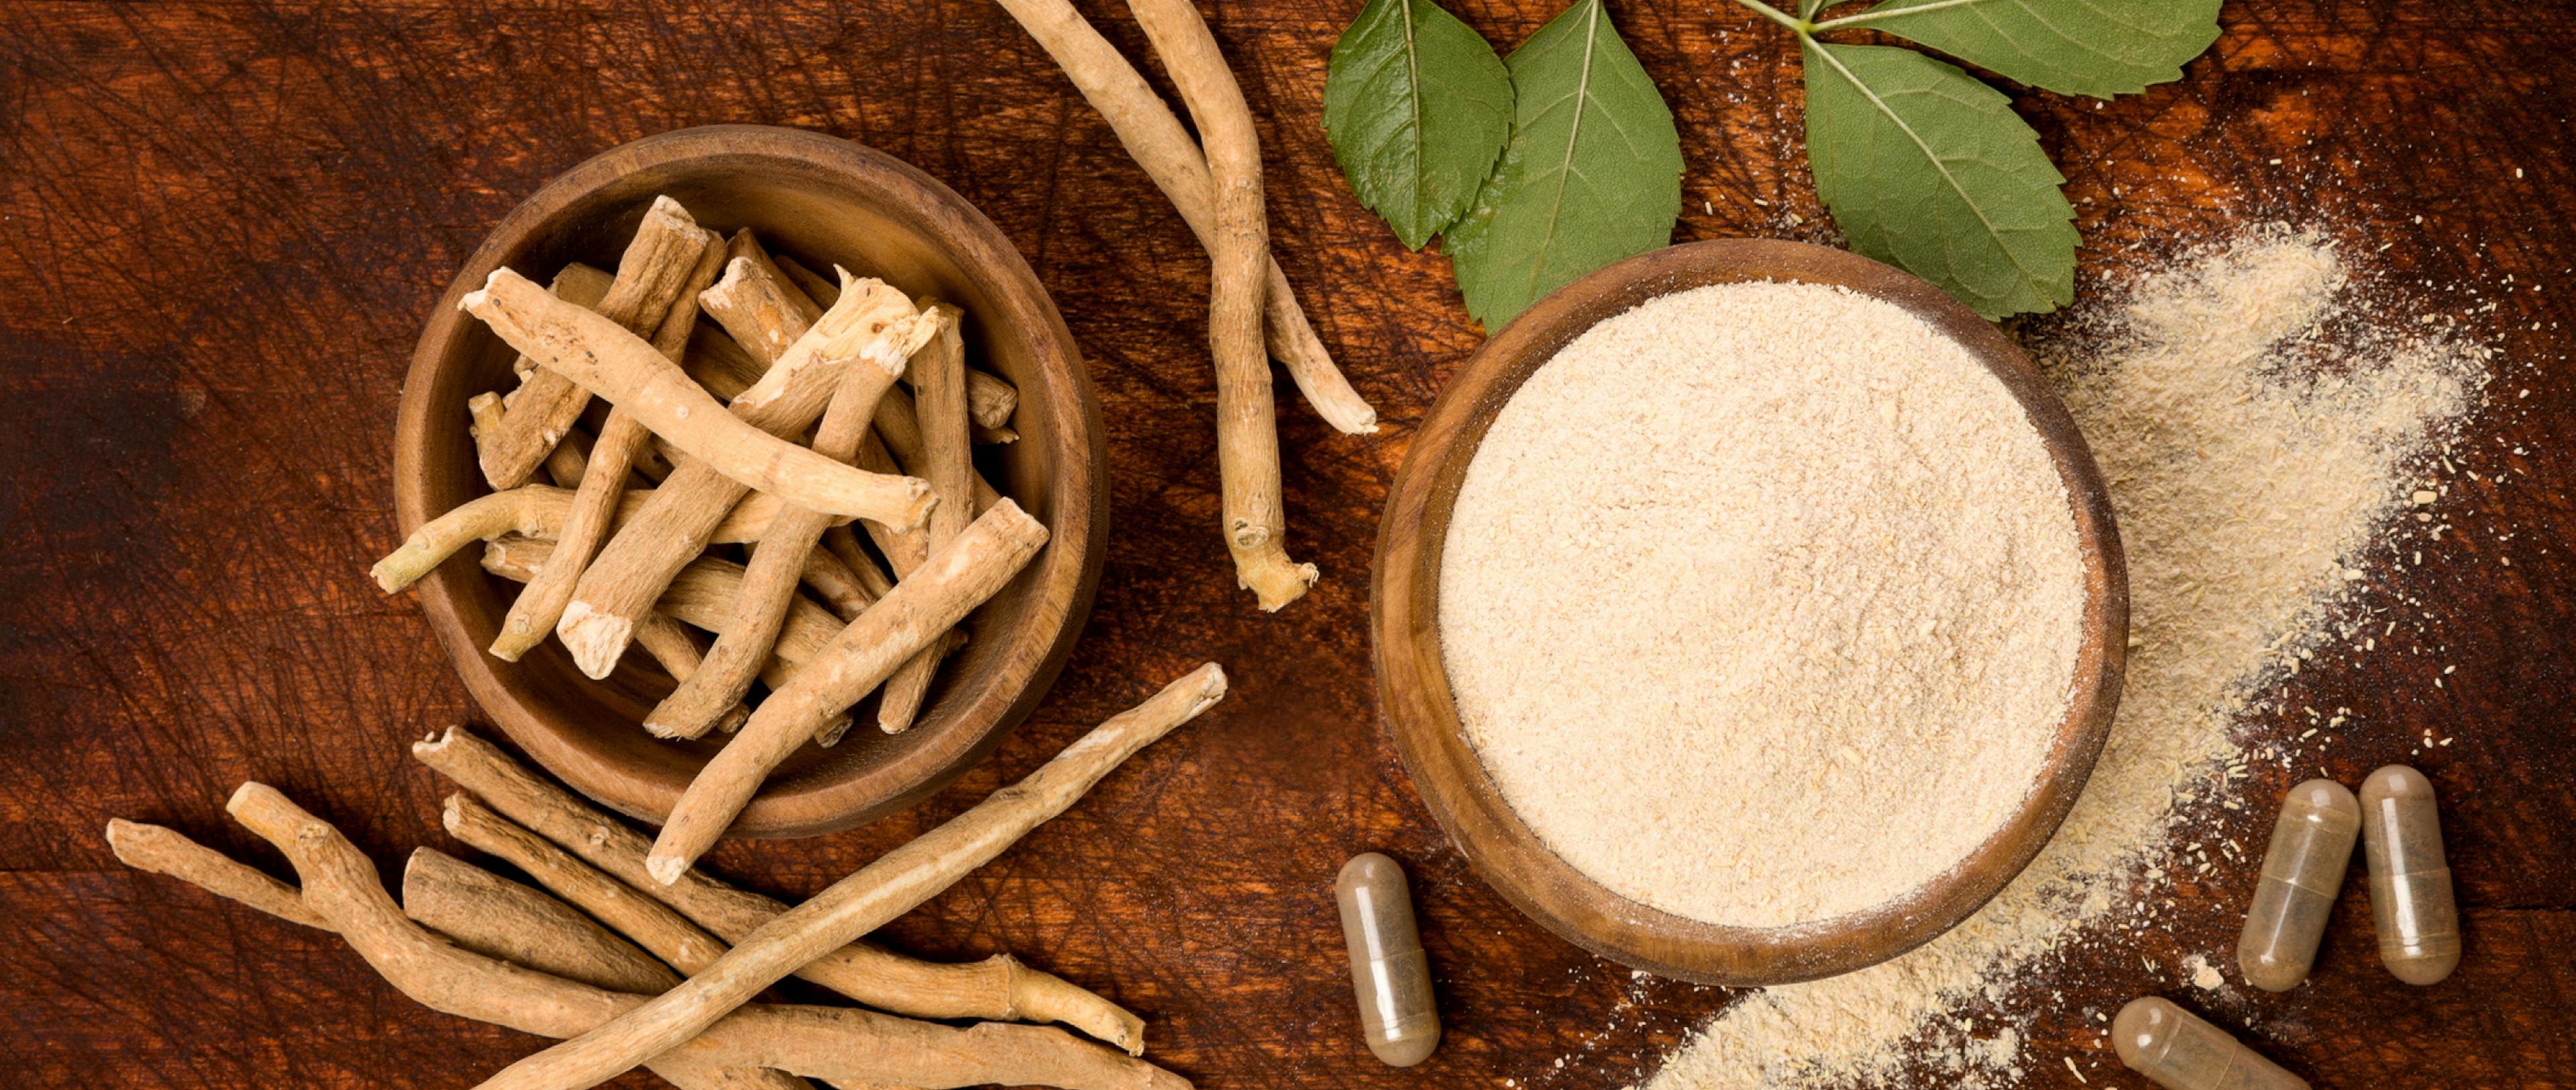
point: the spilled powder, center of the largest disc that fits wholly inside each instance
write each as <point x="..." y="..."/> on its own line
<point x="2249" y="481"/>
<point x="1739" y="574"/>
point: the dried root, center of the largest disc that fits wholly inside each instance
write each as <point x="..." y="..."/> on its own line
<point x="652" y="547"/>
<point x="990" y="399"/>
<point x="702" y="597"/>
<point x="939" y="377"/>
<point x="1247" y="436"/>
<point x="840" y="1045"/>
<point x="853" y="906"/>
<point x="534" y="612"/>
<point x="1155" y="138"/>
<point x="671" y="644"/>
<point x="537" y="511"/>
<point x="501" y="919"/>
<point x="613" y="363"/>
<point x="650" y="275"/>
<point x="165" y="851"/>
<point x="926" y="603"/>
<point x="996" y="988"/>
<point x="769" y="583"/>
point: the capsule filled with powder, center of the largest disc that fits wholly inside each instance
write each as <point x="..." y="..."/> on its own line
<point x="2411" y="902"/>
<point x="2302" y="872"/>
<point x="2178" y="1051"/>
<point x="1389" y="970"/>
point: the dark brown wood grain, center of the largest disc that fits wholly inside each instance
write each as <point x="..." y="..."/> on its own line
<point x="222" y="223"/>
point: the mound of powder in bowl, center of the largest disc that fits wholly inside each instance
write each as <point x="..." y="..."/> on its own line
<point x="1761" y="603"/>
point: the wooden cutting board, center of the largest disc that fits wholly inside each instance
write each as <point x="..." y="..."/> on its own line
<point x="221" y="224"/>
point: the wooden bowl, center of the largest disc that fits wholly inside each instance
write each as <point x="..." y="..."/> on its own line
<point x="821" y="200"/>
<point x="1413" y="684"/>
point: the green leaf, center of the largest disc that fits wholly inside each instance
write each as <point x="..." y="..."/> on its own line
<point x="1928" y="169"/>
<point x="2073" y="47"/>
<point x="1417" y="107"/>
<point x="1592" y="174"/>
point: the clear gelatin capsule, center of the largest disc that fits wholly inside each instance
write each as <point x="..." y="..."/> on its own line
<point x="1388" y="968"/>
<point x="2302" y="872"/>
<point x="2410" y="882"/>
<point x="2178" y="1051"/>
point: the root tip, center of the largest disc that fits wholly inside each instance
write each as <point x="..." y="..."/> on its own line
<point x="595" y="638"/>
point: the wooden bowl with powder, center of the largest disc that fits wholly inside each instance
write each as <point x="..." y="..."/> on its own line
<point x="1666" y="890"/>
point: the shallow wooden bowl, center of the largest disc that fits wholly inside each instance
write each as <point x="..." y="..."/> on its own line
<point x="1413" y="683"/>
<point x="821" y="200"/>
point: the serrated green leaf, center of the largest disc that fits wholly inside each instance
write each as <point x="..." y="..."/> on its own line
<point x="2073" y="47"/>
<point x="1928" y="169"/>
<point x="1417" y="107"/>
<point x="1592" y="173"/>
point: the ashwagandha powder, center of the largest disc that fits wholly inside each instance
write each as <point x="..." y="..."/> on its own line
<point x="2251" y="484"/>
<point x="1761" y="603"/>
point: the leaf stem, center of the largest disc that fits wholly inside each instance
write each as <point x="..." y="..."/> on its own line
<point x="1875" y="14"/>
<point x="1776" y="15"/>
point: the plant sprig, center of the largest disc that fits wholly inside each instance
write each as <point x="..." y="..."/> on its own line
<point x="1926" y="167"/>
<point x="1568" y="156"/>
<point x="1921" y="164"/>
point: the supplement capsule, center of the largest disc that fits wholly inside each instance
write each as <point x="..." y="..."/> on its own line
<point x="1388" y="968"/>
<point x="2410" y="883"/>
<point x="2177" y="1050"/>
<point x="2302" y="872"/>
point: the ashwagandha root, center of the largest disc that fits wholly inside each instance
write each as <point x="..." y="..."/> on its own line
<point x="614" y="364"/>
<point x="898" y="434"/>
<point x="653" y="926"/>
<point x="990" y="398"/>
<point x="926" y="603"/>
<point x="896" y="883"/>
<point x="701" y="596"/>
<point x="652" y="547"/>
<point x="671" y="644"/>
<point x="165" y="851"/>
<point x="501" y="919"/>
<point x="1247" y="435"/>
<point x="840" y="589"/>
<point x="719" y="364"/>
<point x="939" y="380"/>
<point x="815" y="286"/>
<point x="1155" y="139"/>
<point x="153" y="848"/>
<point x="754" y="301"/>
<point x="534" y="612"/>
<point x="843" y="544"/>
<point x="888" y="328"/>
<point x="498" y="918"/>
<point x="996" y="988"/>
<point x="835" y="1044"/>
<point x="650" y="274"/>
<point x="769" y="582"/>
<point x="900" y="702"/>
<point x="537" y="511"/>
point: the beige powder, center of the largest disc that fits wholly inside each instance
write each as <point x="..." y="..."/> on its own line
<point x="2246" y="487"/>
<point x="1761" y="603"/>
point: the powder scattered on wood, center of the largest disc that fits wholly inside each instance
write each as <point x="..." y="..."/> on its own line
<point x="2246" y="478"/>
<point x="1761" y="603"/>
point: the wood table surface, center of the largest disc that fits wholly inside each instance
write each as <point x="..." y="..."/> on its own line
<point x="221" y="224"/>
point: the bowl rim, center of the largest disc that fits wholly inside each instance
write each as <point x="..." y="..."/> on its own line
<point x="1413" y="685"/>
<point x="1067" y="569"/>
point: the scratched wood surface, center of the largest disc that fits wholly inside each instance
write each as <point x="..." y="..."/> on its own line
<point x="220" y="224"/>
